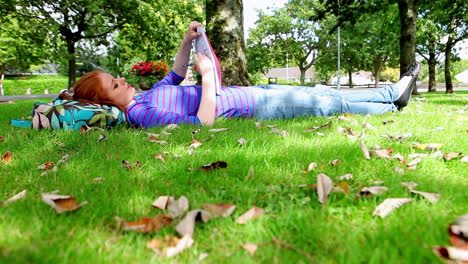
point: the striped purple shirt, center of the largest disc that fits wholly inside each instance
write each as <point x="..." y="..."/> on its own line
<point x="168" y="103"/>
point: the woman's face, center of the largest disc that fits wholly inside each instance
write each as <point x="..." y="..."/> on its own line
<point x="117" y="89"/>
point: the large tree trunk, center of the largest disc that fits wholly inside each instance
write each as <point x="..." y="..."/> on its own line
<point x="303" y="72"/>
<point x="448" y="58"/>
<point x="224" y="21"/>
<point x="432" y="67"/>
<point x="71" y="64"/>
<point x="408" y="14"/>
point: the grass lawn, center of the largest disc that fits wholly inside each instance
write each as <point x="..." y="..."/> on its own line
<point x="37" y="83"/>
<point x="343" y="231"/>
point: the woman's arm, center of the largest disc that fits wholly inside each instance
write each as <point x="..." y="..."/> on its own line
<point x="207" y="109"/>
<point x="183" y="55"/>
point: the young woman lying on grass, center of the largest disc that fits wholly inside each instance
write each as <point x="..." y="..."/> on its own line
<point x="169" y="103"/>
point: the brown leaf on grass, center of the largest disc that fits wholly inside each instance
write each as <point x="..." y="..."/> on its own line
<point x="2" y="138"/>
<point x="241" y="141"/>
<point x="211" y="166"/>
<point x="254" y="213"/>
<point x="97" y="180"/>
<point x="412" y="165"/>
<point x="347" y="131"/>
<point x="61" y="203"/>
<point x="146" y="225"/>
<point x="399" y="170"/>
<point x="428" y="146"/>
<point x="157" y="140"/>
<point x="216" y="130"/>
<point x="171" y="127"/>
<point x="195" y="144"/>
<point x="386" y="122"/>
<point x="283" y="133"/>
<point x="219" y="210"/>
<point x="84" y="129"/>
<point x="388" y="205"/>
<point x="130" y="166"/>
<point x="458" y="232"/>
<point x="324" y="187"/>
<point x="250" y="247"/>
<point x="346" y="177"/>
<point x="14" y="198"/>
<point x="170" y="245"/>
<point x="174" y="207"/>
<point x="409" y="185"/>
<point x="323" y="126"/>
<point x="160" y="157"/>
<point x="60" y="144"/>
<point x="335" y="162"/>
<point x="452" y="155"/>
<point x="341" y="187"/>
<point x="431" y="197"/>
<point x="451" y="254"/>
<point x="7" y="157"/>
<point x="45" y="166"/>
<point x="258" y="125"/>
<point x="367" y="125"/>
<point x="381" y="153"/>
<point x="364" y="149"/>
<point x="187" y="225"/>
<point x="102" y="138"/>
<point x="311" y="167"/>
<point x="311" y="186"/>
<point x="373" y="190"/>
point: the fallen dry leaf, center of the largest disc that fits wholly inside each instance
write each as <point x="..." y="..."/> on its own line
<point x="14" y="198"/>
<point x="373" y="190"/>
<point x="98" y="180"/>
<point x="174" y="207"/>
<point x="251" y="174"/>
<point x="187" y="225"/>
<point x="2" y="138"/>
<point x="61" y="203"/>
<point x="84" y="129"/>
<point x="428" y="146"/>
<point x="45" y="166"/>
<point x="388" y="205"/>
<point x="258" y="125"/>
<point x="219" y="210"/>
<point x="283" y="133"/>
<point x="335" y="162"/>
<point x="381" y="153"/>
<point x="102" y="138"/>
<point x="311" y="167"/>
<point x="160" y="157"/>
<point x="347" y="131"/>
<point x="377" y="182"/>
<point x="250" y="247"/>
<point x="341" y="187"/>
<point x="431" y="197"/>
<point x="464" y="159"/>
<point x="458" y="232"/>
<point x="399" y="170"/>
<point x="320" y="134"/>
<point x="413" y="163"/>
<point x="170" y="245"/>
<point x="171" y="127"/>
<point x="126" y="164"/>
<point x="399" y="157"/>
<point x="211" y="166"/>
<point x="409" y="185"/>
<point x="146" y="225"/>
<point x="195" y="144"/>
<point x="364" y="149"/>
<point x="400" y="138"/>
<point x="367" y="125"/>
<point x="452" y="155"/>
<point x="241" y="141"/>
<point x="254" y="213"/>
<point x="323" y="126"/>
<point x="346" y="177"/>
<point x="216" y="130"/>
<point x="157" y="140"/>
<point x="7" y="157"/>
<point x="324" y="187"/>
<point x="452" y="254"/>
<point x="60" y="144"/>
<point x="165" y="133"/>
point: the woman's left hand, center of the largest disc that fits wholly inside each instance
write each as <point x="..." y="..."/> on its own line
<point x="192" y="31"/>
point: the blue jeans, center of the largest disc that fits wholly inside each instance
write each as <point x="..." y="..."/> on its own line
<point x="286" y="101"/>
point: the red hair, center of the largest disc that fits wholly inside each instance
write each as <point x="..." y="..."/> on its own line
<point x="89" y="89"/>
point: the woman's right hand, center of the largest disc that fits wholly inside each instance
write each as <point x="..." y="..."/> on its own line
<point x="203" y="63"/>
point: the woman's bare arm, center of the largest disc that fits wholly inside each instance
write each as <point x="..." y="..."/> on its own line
<point x="207" y="109"/>
<point x="183" y="55"/>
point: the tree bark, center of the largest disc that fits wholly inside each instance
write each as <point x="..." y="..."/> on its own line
<point x="303" y="72"/>
<point x="71" y="64"/>
<point x="448" y="58"/>
<point x="408" y="14"/>
<point x="224" y="21"/>
<point x="432" y="67"/>
<point x="350" y="79"/>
